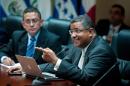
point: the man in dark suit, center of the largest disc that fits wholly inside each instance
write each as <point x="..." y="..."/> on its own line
<point x="88" y="59"/>
<point x="24" y="42"/>
<point x="108" y="27"/>
<point x="3" y="36"/>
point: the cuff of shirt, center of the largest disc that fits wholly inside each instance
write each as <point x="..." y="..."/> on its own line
<point x="3" y="57"/>
<point x="17" y="64"/>
<point x="56" y="67"/>
<point x="104" y="37"/>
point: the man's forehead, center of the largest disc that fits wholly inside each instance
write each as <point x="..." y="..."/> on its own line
<point x="116" y="9"/>
<point x="76" y="25"/>
<point x="31" y="15"/>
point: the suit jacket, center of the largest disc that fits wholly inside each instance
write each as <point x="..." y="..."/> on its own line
<point x="99" y="58"/>
<point x="18" y="44"/>
<point x="3" y="36"/>
<point x="102" y="27"/>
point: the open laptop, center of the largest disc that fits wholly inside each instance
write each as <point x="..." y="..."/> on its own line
<point x="30" y="67"/>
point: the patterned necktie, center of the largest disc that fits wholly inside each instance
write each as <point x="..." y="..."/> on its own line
<point x="31" y="47"/>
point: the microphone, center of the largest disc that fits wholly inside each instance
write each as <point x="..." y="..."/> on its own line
<point x="63" y="50"/>
<point x="110" y="70"/>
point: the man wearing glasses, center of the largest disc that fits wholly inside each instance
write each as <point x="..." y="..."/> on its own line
<point x="88" y="59"/>
<point x="24" y="42"/>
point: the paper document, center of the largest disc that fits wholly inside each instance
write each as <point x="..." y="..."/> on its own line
<point x="4" y="66"/>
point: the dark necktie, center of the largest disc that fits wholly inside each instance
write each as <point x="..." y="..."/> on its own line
<point x="31" y="47"/>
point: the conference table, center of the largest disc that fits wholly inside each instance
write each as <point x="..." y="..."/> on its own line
<point x="20" y="80"/>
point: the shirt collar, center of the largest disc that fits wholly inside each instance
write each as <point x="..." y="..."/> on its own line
<point x="116" y="28"/>
<point x="85" y="48"/>
<point x="36" y="35"/>
<point x="29" y="37"/>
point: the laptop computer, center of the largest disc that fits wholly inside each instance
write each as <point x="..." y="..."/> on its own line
<point x="30" y="67"/>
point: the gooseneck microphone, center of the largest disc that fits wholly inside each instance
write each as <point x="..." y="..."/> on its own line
<point x="63" y="50"/>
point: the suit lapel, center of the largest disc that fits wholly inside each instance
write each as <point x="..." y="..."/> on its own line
<point x="77" y="56"/>
<point x="42" y="41"/>
<point x="23" y="45"/>
<point x="91" y="46"/>
<point x="86" y="58"/>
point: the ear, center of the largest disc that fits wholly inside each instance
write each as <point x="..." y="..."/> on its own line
<point x="41" y="22"/>
<point x="91" y="32"/>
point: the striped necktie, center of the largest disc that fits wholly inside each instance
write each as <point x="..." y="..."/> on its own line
<point x="31" y="47"/>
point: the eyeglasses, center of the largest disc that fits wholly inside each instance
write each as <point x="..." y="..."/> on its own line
<point x="77" y="31"/>
<point x="34" y="21"/>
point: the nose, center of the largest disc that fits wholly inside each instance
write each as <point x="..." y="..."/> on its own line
<point x="73" y="35"/>
<point x="31" y="24"/>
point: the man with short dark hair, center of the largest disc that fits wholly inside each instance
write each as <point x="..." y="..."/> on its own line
<point x="88" y="59"/>
<point x="108" y="27"/>
<point x="24" y="42"/>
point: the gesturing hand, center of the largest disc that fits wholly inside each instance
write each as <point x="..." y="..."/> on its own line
<point x="48" y="55"/>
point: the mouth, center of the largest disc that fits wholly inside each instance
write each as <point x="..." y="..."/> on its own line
<point x="33" y="29"/>
<point x="75" y="40"/>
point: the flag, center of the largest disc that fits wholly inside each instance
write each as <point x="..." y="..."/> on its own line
<point x="12" y="7"/>
<point x="2" y="13"/>
<point x="90" y="8"/>
<point x="68" y="9"/>
<point x="45" y="7"/>
<point x="16" y="7"/>
<point x="34" y="3"/>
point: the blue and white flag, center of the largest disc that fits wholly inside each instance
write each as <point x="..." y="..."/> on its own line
<point x="12" y="7"/>
<point x="16" y="7"/>
<point x="63" y="9"/>
<point x="68" y="9"/>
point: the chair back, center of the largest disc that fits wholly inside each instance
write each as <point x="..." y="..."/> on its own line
<point x="107" y="78"/>
<point x="12" y="23"/>
<point x="59" y="27"/>
<point x="121" y="44"/>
